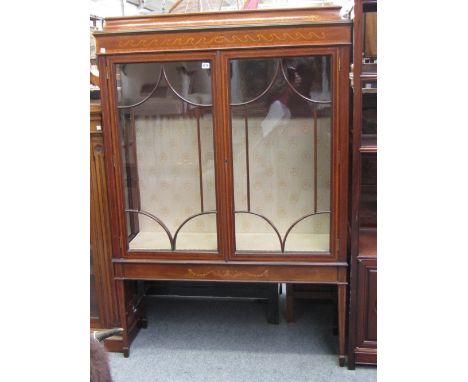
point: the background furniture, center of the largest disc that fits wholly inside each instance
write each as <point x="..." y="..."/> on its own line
<point x="263" y="292"/>
<point x="103" y="301"/>
<point x="363" y="217"/>
<point x="313" y="292"/>
<point x="234" y="165"/>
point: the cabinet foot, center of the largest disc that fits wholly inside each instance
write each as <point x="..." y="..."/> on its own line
<point x="126" y="352"/>
<point x="341" y="360"/>
<point x="341" y="323"/>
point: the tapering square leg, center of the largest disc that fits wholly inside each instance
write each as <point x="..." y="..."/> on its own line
<point x="120" y="291"/>
<point x="341" y="323"/>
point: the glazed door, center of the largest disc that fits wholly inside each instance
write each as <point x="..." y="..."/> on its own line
<point x="282" y="131"/>
<point x="165" y="116"/>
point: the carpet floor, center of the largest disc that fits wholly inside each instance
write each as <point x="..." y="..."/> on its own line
<point x="230" y="340"/>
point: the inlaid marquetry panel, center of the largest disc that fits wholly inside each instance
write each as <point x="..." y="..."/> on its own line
<point x="223" y="39"/>
<point x="214" y="272"/>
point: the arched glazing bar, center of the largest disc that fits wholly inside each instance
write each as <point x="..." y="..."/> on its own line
<point x="264" y="92"/>
<point x="145" y="98"/>
<point x="187" y="220"/>
<point x="157" y="220"/>
<point x="266" y="219"/>
<point x="178" y="95"/>
<point x="282" y="240"/>
<point x="294" y="89"/>
<point x="172" y="239"/>
<point x="283" y="243"/>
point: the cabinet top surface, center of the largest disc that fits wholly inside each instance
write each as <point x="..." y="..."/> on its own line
<point x="222" y="20"/>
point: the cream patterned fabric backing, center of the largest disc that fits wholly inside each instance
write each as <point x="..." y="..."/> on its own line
<point x="281" y="183"/>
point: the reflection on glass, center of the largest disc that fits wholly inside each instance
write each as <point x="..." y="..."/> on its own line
<point x="144" y="79"/>
<point x="281" y="137"/>
<point x="252" y="78"/>
<point x="168" y="156"/>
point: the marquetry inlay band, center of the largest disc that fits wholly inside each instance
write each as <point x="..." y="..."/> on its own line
<point x="205" y="41"/>
<point x="227" y="273"/>
<point x="224" y="39"/>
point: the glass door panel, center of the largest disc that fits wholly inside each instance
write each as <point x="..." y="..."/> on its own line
<point x="166" y="136"/>
<point x="281" y="140"/>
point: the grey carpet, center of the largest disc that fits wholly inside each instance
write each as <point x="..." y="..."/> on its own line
<point x="229" y="340"/>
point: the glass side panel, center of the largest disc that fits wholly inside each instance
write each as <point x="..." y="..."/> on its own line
<point x="166" y="135"/>
<point x="281" y="139"/>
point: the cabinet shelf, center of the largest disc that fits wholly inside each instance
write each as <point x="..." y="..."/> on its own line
<point x="368" y="76"/>
<point x="369" y="71"/>
<point x="365" y="77"/>
<point x="371" y="90"/>
<point x="368" y="144"/>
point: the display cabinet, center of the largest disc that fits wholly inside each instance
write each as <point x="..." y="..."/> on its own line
<point x="363" y="216"/>
<point x="226" y="141"/>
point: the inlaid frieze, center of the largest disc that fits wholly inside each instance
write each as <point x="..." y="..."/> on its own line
<point x="216" y="39"/>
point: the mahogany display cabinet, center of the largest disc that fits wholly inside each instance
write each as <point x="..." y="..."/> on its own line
<point x="226" y="142"/>
<point x="363" y="216"/>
